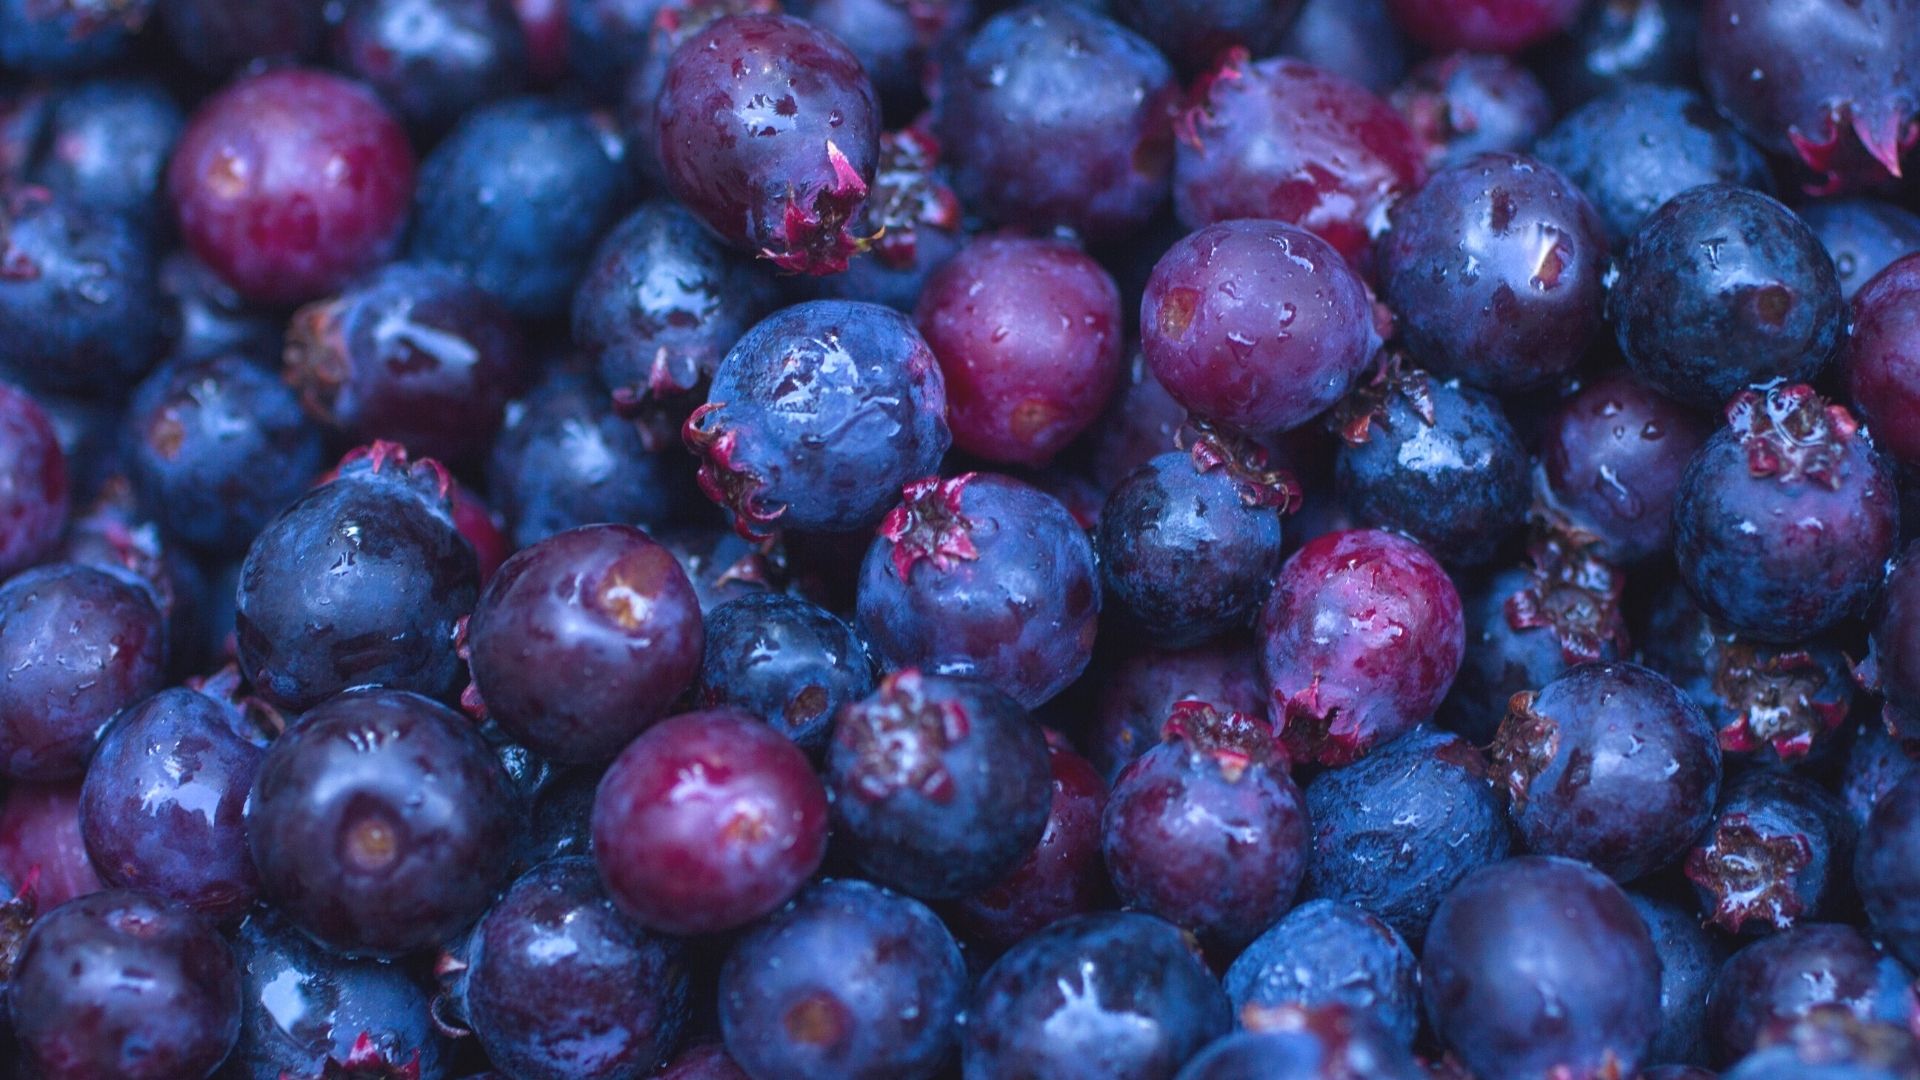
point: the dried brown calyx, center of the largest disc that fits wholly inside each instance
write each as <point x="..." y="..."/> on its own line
<point x="1372" y="400"/>
<point x="1749" y="872"/>
<point x="316" y="357"/>
<point x="390" y="459"/>
<point x="1575" y="594"/>
<point x="1783" y="698"/>
<point x="908" y="194"/>
<point x="900" y="736"/>
<point x="1244" y="462"/>
<point x="1235" y="741"/>
<point x="17" y="913"/>
<point x="1523" y="747"/>
<point x="928" y="524"/>
<point x="1793" y="434"/>
<point x="725" y="480"/>
<point x="813" y="236"/>
<point x="251" y="717"/>
<point x="366" y="1061"/>
<point x="1193" y="122"/>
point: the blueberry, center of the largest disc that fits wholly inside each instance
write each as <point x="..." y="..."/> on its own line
<point x="790" y="662"/>
<point x="1328" y="953"/>
<point x="1777" y="853"/>
<point x="1690" y="956"/>
<point x="1785" y="975"/>
<point x="432" y="59"/>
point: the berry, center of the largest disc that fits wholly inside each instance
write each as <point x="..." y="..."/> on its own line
<point x="1882" y="360"/>
<point x="560" y="985"/>
<point x="106" y="146"/>
<point x="1328" y="1041"/>
<point x="1483" y="25"/>
<point x="124" y="984"/>
<point x="1540" y="965"/>
<point x="1394" y="832"/>
<point x="1355" y="39"/>
<point x="81" y="645"/>
<point x="68" y="37"/>
<point x="849" y="980"/>
<point x="1621" y="43"/>
<point x="220" y="36"/>
<point x="1464" y="104"/>
<point x="1864" y="236"/>
<point x="786" y="660"/>
<point x="1829" y="1041"/>
<point x="1890" y="667"/>
<point x="1028" y="337"/>
<point x="1283" y="140"/>
<point x="895" y="42"/>
<point x="33" y="482"/>
<point x="940" y="785"/>
<point x="1690" y="956"/>
<point x="1328" y="953"/>
<point x="1056" y="117"/>
<point x="817" y="415"/>
<point x="1611" y="459"/>
<point x="1141" y="688"/>
<point x="1397" y="643"/>
<point x="1112" y="996"/>
<point x="769" y="131"/>
<point x="982" y="575"/>
<point x="291" y="183"/>
<point x="1609" y="763"/>
<point x="723" y="567"/>
<point x="707" y="822"/>
<point x="1256" y="325"/>
<point x="1884" y="869"/>
<point x="1721" y="289"/>
<point x="40" y="840"/>
<point x="1776" y="854"/>
<point x="1495" y="269"/>
<point x="1785" y="458"/>
<point x="432" y="59"/>
<point x="912" y="214"/>
<point x="1875" y="763"/>
<point x="1782" y="977"/>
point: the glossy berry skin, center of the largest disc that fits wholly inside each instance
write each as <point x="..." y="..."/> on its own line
<point x="661" y="302"/>
<point x="40" y="830"/>
<point x="1464" y="104"/>
<point x="1609" y="763"/>
<point x="1190" y="543"/>
<point x="124" y="984"/>
<point x="1256" y="325"/>
<point x="1835" y="84"/>
<point x="1637" y="147"/>
<point x="162" y="807"/>
<point x="1292" y="1041"/>
<point x="1206" y="830"/>
<point x="78" y="306"/>
<point x="895" y="42"/>
<point x="1875" y="764"/>
<point x="219" y="36"/>
<point x="34" y="499"/>
<point x="1283" y="140"/>
<point x="290" y="183"/>
<point x="788" y="661"/>
<point x="1399" y="645"/>
<point x="560" y="985"/>
<point x="69" y="37"/>
<point x="818" y="415"/>
<point x="515" y="198"/>
<point x="584" y="640"/>
<point x="940" y="785"/>
<point x="1139" y="692"/>
<point x="1783" y="976"/>
<point x="1112" y="996"/>
<point x="1611" y="459"/>
<point x="360" y="581"/>
<point x="1056" y="117"/>
<point x="377" y="822"/>
<point x="849" y="980"/>
<point x="1193" y="33"/>
<point x="1028" y="335"/>
<point x="564" y="459"/>
<point x="107" y="143"/>
<point x="82" y="645"/>
<point x="1483" y="25"/>
<point x="1776" y="703"/>
<point x="984" y="575"/>
<point x="1864" y="236"/>
<point x="768" y="132"/>
<point x="1882" y="357"/>
<point x="1328" y="953"/>
<point x="1622" y="43"/>
<point x="707" y="822"/>
<point x="1536" y="964"/>
<point x="1884" y="869"/>
<point x="1355" y="39"/>
<point x="1062" y="876"/>
<point x="1777" y="854"/>
<point x="1829" y="1044"/>
<point x="1783" y="459"/>
<point x="1396" y="830"/>
<point x="218" y="447"/>
<point x="1723" y="288"/>
<point x="1690" y="956"/>
<point x="301" y="1004"/>
<point x="1435" y="460"/>
<point x="1495" y="269"/>
<point x="432" y="59"/>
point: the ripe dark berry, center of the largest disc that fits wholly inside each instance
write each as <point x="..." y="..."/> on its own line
<point x="1785" y="458"/>
<point x="1884" y="869"/>
<point x="106" y="146"/>
<point x="1495" y="270"/>
<point x="1463" y="104"/>
<point x="1864" y="236"/>
<point x="983" y="575"/>
<point x="1055" y="116"/>
<point x="848" y="981"/>
<point x="1327" y="1041"/>
<point x="769" y="131"/>
<point x="895" y="42"/>
<point x="1784" y="976"/>
<point x="1193" y="33"/>
<point x="940" y="785"/>
<point x="1117" y="995"/>
<point x="1283" y="140"/>
<point x="290" y="183"/>
<point x="560" y="985"/>
<point x="1876" y="762"/>
<point x="1721" y="289"/>
<point x="219" y="36"/>
<point x="817" y="416"/>
<point x="1690" y="956"/>
<point x="1777" y="854"/>
<point x="1328" y="953"/>
<point x="707" y="822"/>
<point x="1361" y="639"/>
<point x="1539" y="965"/>
<point x="1028" y="335"/>
<point x="378" y="822"/>
<point x="33" y="482"/>
<point x="786" y="660"/>
<point x="1883" y="360"/>
<point x="1621" y="43"/>
<point x="912" y="214"/>
<point x="1141" y="688"/>
<point x="124" y="984"/>
<point x="40" y="837"/>
<point x="68" y="37"/>
<point x="1256" y="325"/>
<point x="1355" y="39"/>
<point x="1609" y="763"/>
<point x="432" y="59"/>
<point x="1893" y="665"/>
<point x="1611" y="460"/>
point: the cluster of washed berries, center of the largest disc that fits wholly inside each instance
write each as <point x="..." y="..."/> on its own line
<point x="959" y="539"/>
